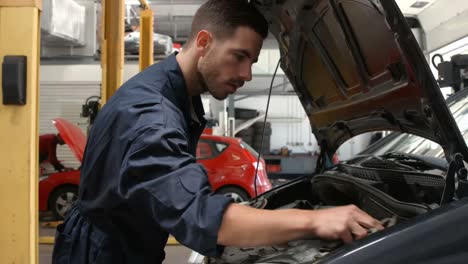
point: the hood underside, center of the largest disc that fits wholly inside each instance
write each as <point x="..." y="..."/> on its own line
<point x="72" y="135"/>
<point x="357" y="68"/>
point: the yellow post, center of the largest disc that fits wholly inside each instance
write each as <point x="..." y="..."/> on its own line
<point x="19" y="35"/>
<point x="112" y="47"/>
<point x="146" y="38"/>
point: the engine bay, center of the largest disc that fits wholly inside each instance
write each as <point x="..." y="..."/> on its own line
<point x="388" y="191"/>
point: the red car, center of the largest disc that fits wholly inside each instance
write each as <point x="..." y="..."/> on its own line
<point x="230" y="164"/>
<point x="58" y="191"/>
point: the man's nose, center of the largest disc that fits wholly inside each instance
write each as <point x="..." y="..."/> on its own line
<point x="246" y="72"/>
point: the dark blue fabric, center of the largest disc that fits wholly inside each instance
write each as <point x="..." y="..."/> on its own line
<point x="139" y="177"/>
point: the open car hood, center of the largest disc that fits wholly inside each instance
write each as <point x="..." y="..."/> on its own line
<point x="72" y="135"/>
<point x="356" y="68"/>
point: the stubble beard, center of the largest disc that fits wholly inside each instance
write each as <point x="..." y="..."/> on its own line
<point x="205" y="75"/>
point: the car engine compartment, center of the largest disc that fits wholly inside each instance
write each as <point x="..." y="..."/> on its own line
<point x="388" y="191"/>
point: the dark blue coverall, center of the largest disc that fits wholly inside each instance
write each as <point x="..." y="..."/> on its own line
<point x="139" y="177"/>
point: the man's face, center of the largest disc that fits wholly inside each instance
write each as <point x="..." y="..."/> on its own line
<point x="227" y="63"/>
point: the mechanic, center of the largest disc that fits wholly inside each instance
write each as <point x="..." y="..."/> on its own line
<point x="48" y="150"/>
<point x="140" y="180"/>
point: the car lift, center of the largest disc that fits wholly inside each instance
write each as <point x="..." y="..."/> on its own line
<point x="113" y="44"/>
<point x="19" y="168"/>
<point x="146" y="35"/>
<point x="112" y="47"/>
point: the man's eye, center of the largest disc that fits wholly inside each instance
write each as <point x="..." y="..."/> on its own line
<point x="239" y="57"/>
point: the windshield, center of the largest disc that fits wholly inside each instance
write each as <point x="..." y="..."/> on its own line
<point x="419" y="146"/>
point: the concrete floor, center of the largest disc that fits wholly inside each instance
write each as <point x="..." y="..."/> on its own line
<point x="174" y="254"/>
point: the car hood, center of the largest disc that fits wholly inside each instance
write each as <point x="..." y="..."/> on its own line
<point x="357" y="68"/>
<point x="72" y="135"/>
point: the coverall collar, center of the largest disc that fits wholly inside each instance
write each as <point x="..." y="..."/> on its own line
<point x="181" y="99"/>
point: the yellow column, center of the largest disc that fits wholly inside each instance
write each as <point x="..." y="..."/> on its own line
<point x="112" y="47"/>
<point x="146" y="38"/>
<point x="19" y="35"/>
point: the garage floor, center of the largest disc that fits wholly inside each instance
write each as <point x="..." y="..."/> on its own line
<point x="174" y="254"/>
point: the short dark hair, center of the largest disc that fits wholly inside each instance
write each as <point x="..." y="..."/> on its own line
<point x="222" y="17"/>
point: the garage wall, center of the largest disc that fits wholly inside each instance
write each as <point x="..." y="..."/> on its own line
<point x="444" y="22"/>
<point x="289" y="122"/>
<point x="354" y="146"/>
<point x="63" y="90"/>
<point x="291" y="127"/>
<point x="60" y="99"/>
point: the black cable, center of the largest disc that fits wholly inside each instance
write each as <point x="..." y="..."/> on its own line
<point x="263" y="130"/>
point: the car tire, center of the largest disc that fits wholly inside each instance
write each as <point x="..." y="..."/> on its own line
<point x="61" y="200"/>
<point x="236" y="193"/>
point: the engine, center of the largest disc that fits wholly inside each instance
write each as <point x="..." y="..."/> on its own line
<point x="391" y="195"/>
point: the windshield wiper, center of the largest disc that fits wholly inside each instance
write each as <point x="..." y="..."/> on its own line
<point x="417" y="161"/>
<point x="379" y="162"/>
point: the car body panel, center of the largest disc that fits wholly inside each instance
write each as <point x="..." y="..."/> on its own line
<point x="72" y="135"/>
<point x="434" y="237"/>
<point x="356" y="68"/>
<point x="437" y="236"/>
<point x="430" y="238"/>
<point x="52" y="182"/>
<point x="75" y="139"/>
<point x="234" y="166"/>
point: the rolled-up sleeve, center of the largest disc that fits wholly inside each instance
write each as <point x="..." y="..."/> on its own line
<point x="160" y="175"/>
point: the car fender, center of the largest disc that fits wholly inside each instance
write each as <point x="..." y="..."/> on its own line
<point x="53" y="181"/>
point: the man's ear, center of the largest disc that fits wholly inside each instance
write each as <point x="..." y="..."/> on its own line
<point x="203" y="41"/>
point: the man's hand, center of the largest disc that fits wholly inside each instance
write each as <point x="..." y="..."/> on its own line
<point x="244" y="226"/>
<point x="345" y="222"/>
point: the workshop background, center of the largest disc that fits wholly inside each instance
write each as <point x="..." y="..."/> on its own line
<point x="77" y="72"/>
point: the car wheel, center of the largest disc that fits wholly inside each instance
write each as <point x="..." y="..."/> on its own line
<point x="62" y="200"/>
<point x="237" y="194"/>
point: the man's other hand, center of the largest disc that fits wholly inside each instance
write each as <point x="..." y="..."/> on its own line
<point x="345" y="222"/>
